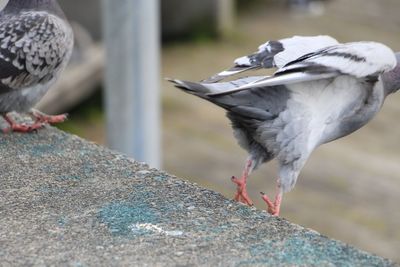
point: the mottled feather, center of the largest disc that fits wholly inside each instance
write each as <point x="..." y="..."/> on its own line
<point x="362" y="60"/>
<point x="33" y="46"/>
<point x="275" y="54"/>
<point x="36" y="42"/>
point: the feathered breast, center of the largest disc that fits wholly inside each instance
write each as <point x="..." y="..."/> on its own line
<point x="34" y="46"/>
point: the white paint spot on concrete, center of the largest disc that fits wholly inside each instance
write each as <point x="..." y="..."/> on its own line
<point x="174" y="233"/>
<point x="140" y="227"/>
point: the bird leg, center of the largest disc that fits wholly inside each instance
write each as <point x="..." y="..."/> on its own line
<point x="241" y="193"/>
<point x="273" y="207"/>
<point x="40" y="119"/>
<point x="19" y="127"/>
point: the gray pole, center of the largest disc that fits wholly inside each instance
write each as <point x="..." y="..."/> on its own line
<point x="132" y="98"/>
<point x="225" y="16"/>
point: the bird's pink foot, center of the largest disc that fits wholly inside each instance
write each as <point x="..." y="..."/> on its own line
<point x="40" y="121"/>
<point x="241" y="193"/>
<point x="275" y="206"/>
<point x="20" y="127"/>
<point x="50" y="119"/>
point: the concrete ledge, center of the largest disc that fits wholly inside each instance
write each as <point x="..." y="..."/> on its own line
<point x="65" y="201"/>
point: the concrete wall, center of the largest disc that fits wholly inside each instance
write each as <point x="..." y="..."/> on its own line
<point x="68" y="202"/>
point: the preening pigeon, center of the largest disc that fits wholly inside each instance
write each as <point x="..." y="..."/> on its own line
<point x="35" y="44"/>
<point x="321" y="91"/>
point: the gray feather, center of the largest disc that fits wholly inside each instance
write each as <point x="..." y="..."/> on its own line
<point x="35" y="45"/>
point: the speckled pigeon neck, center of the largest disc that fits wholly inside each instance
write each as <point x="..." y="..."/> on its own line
<point x="16" y="6"/>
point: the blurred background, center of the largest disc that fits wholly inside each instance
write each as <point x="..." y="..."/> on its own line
<point x="349" y="189"/>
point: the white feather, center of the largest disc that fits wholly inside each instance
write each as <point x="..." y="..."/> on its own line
<point x="294" y="48"/>
<point x="290" y="78"/>
<point x="298" y="46"/>
<point x="243" y="61"/>
<point x="359" y="59"/>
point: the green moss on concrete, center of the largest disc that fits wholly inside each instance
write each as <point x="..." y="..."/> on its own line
<point x="120" y="217"/>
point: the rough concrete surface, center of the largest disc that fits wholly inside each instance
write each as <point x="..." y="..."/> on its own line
<point x="67" y="202"/>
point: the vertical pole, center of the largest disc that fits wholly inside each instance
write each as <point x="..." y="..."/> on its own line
<point x="132" y="97"/>
<point x="225" y="16"/>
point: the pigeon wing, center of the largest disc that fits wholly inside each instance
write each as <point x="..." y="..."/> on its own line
<point x="275" y="54"/>
<point x="33" y="45"/>
<point x="363" y="60"/>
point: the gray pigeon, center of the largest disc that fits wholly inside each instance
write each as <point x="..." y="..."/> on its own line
<point x="321" y="91"/>
<point x="35" y="44"/>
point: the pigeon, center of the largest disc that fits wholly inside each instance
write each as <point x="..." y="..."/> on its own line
<point x="321" y="90"/>
<point x="36" y="43"/>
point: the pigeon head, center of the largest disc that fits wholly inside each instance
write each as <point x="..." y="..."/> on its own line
<point x="391" y="79"/>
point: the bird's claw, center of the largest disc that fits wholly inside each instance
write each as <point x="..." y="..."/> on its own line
<point x="274" y="207"/>
<point x="241" y="193"/>
<point x="23" y="128"/>
<point x="50" y="119"/>
<point x="40" y="120"/>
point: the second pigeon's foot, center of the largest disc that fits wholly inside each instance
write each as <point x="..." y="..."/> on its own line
<point x="275" y="206"/>
<point x="241" y="193"/>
